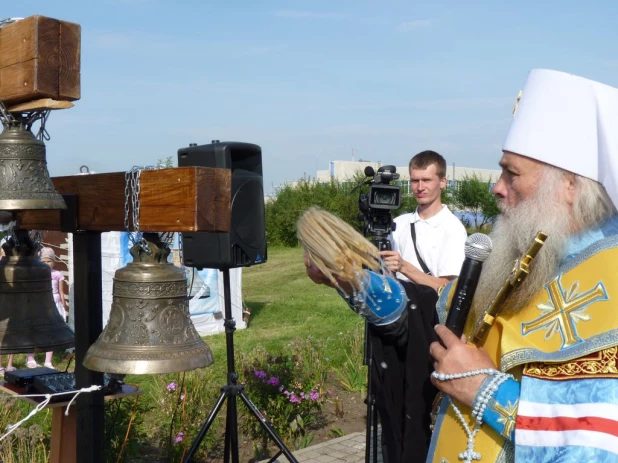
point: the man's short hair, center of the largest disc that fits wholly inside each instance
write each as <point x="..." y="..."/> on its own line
<point x="426" y="158"/>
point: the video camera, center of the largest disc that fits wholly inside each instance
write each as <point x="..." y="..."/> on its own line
<point x="377" y="204"/>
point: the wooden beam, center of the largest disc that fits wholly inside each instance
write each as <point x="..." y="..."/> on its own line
<point x="69" y="61"/>
<point x="39" y="58"/>
<point x="180" y="199"/>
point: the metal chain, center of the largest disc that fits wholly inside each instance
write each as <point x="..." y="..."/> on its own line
<point x="7" y="117"/>
<point x="180" y="254"/>
<point x="36" y="237"/>
<point x="32" y="117"/>
<point x="7" y="21"/>
<point x="7" y="228"/>
<point x="131" y="201"/>
<point x="167" y="237"/>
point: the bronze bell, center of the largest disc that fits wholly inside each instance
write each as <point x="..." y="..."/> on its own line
<point x="29" y="319"/>
<point x="24" y="179"/>
<point x="149" y="329"/>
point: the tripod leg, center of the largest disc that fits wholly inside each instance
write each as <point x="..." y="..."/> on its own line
<point x="266" y="425"/>
<point x="205" y="427"/>
<point x="370" y="443"/>
<point x="375" y="443"/>
<point x="231" y="433"/>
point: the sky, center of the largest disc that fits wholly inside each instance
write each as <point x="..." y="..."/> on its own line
<point x="312" y="81"/>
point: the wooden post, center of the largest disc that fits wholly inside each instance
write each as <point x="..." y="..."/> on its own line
<point x="88" y="327"/>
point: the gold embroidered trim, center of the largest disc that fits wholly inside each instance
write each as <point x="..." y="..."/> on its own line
<point x="601" y="364"/>
<point x="507" y="414"/>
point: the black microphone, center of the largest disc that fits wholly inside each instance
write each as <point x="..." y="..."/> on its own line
<point x="477" y="249"/>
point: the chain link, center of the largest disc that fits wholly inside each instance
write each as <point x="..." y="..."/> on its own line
<point x="131" y="202"/>
<point x="36" y="238"/>
<point x="180" y="254"/>
<point x="7" y="117"/>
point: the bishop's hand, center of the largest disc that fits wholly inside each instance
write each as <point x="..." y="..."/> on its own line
<point x="455" y="356"/>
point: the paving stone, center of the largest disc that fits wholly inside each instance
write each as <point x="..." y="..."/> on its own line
<point x="326" y="459"/>
<point x="346" y="449"/>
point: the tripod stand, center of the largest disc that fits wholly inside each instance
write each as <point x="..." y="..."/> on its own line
<point x="380" y="241"/>
<point x="230" y="392"/>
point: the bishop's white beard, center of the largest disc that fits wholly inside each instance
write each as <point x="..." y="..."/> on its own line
<point x="512" y="235"/>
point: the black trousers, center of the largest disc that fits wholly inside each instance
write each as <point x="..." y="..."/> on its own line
<point x="401" y="377"/>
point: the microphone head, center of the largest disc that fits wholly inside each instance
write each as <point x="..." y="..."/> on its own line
<point x="478" y="247"/>
<point x="369" y="171"/>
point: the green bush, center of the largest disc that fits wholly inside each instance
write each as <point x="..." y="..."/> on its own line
<point x="292" y="201"/>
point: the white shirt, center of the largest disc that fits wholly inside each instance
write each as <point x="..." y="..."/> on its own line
<point x="440" y="242"/>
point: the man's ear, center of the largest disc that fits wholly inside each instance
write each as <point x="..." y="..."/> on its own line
<point x="570" y="188"/>
<point x="443" y="183"/>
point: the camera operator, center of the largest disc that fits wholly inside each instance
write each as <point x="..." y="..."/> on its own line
<point x="428" y="244"/>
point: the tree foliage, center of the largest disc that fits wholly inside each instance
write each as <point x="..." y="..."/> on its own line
<point x="473" y="195"/>
<point x="291" y="201"/>
<point x="165" y="163"/>
<point x="339" y="198"/>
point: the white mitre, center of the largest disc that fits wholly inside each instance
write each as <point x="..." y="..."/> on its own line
<point x="569" y="122"/>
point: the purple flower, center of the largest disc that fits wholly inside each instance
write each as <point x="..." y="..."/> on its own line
<point x="302" y="395"/>
<point x="294" y="399"/>
<point x="260" y="374"/>
<point x="280" y="388"/>
<point x="273" y="381"/>
<point x="286" y="393"/>
<point x="314" y="395"/>
<point x="179" y="438"/>
<point x="172" y="386"/>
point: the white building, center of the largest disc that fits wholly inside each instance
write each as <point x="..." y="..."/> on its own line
<point x="346" y="170"/>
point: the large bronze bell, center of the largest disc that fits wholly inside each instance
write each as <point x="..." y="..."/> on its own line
<point x="29" y="319"/>
<point x="149" y="328"/>
<point x="24" y="179"/>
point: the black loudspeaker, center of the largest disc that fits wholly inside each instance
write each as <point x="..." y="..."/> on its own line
<point x="245" y="244"/>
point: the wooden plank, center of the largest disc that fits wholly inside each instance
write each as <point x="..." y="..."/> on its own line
<point x="40" y="105"/>
<point x="63" y="444"/>
<point x="69" y="61"/>
<point x="178" y="199"/>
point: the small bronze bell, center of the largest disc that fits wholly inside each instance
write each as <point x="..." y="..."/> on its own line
<point x="149" y="328"/>
<point x="29" y="319"/>
<point x="24" y="179"/>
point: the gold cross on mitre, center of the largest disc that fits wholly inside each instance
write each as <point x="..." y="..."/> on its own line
<point x="517" y="102"/>
<point x="507" y="415"/>
<point x="563" y="310"/>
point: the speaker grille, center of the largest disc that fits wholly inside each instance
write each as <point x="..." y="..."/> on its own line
<point x="248" y="213"/>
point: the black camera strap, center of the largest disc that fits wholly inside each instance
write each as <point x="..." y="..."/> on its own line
<point x="418" y="256"/>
